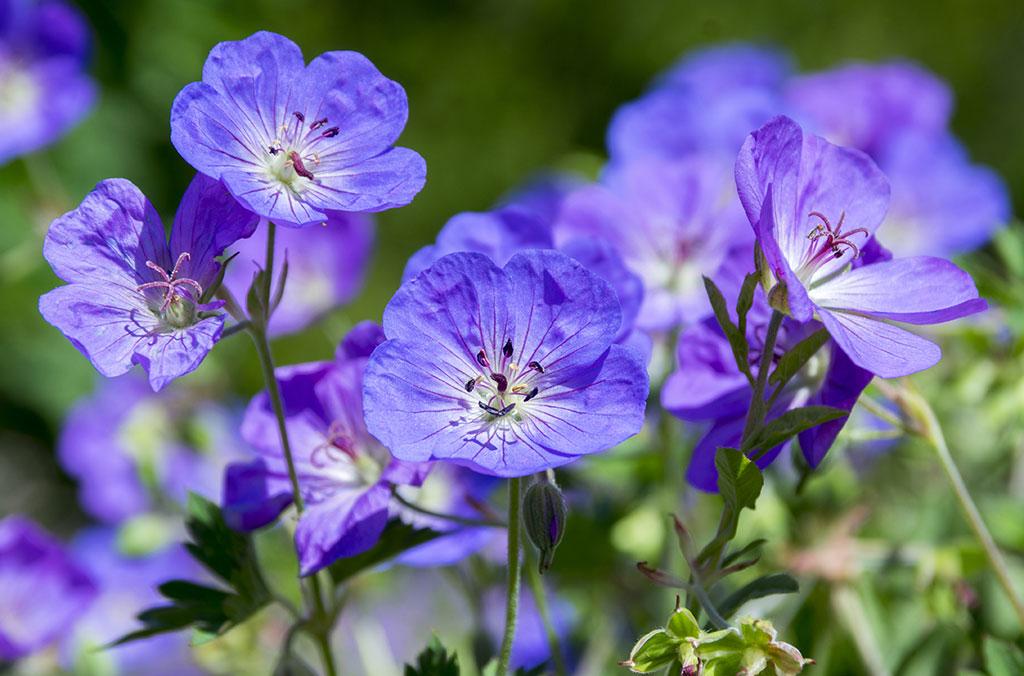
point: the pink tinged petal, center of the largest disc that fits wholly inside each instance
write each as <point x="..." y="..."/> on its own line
<point x="108" y="238"/>
<point x="369" y="109"/>
<point x="347" y="524"/>
<point x="391" y="179"/>
<point x="877" y="346"/>
<point x="919" y="290"/>
<point x="209" y="220"/>
<point x="565" y="316"/>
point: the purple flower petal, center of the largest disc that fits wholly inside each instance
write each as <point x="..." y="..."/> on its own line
<point x="252" y="496"/>
<point x="885" y="350"/>
<point x="844" y="383"/>
<point x="344" y="525"/>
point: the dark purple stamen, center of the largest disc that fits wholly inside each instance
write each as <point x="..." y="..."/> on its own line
<point x="318" y="123"/>
<point x="498" y="413"/>
<point x="535" y="365"/>
<point x="330" y="133"/>
<point x="501" y="381"/>
<point x="273" y="150"/>
<point x="507" y="350"/>
<point x="299" y="116"/>
<point x="470" y="384"/>
<point x="532" y="394"/>
<point x="300" y="168"/>
<point x="481" y="359"/>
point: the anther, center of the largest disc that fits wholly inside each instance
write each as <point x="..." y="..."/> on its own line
<point x="482" y="359"/>
<point x="330" y="133"/>
<point x="496" y="412"/>
<point x="470" y="384"/>
<point x="535" y="365"/>
<point x="318" y="123"/>
<point x="299" y="167"/>
<point x="500" y="380"/>
<point x="532" y="394"/>
<point x="507" y="350"/>
<point x="299" y="116"/>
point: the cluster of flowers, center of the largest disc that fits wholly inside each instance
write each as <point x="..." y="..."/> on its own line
<point x="523" y="337"/>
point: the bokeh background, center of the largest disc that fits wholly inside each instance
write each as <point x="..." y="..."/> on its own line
<point x="502" y="90"/>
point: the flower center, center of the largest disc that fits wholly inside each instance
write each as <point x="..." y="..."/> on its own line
<point x="340" y="454"/>
<point x="504" y="388"/>
<point x="18" y="93"/>
<point x="827" y="243"/>
<point x="295" y="154"/>
<point x="180" y="294"/>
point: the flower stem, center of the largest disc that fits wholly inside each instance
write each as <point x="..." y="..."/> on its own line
<point x="541" y="600"/>
<point x="757" y="411"/>
<point x="259" y="338"/>
<point x="929" y="429"/>
<point x="454" y="518"/>
<point x="512" y="591"/>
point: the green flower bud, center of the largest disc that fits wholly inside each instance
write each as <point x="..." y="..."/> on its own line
<point x="544" y="512"/>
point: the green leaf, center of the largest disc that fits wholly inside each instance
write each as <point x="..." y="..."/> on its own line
<point x="746" y="301"/>
<point x="396" y="538"/>
<point x="1002" y="658"/>
<point x="737" y="341"/>
<point x="753" y="547"/>
<point x="792" y="361"/>
<point x="435" y="660"/>
<point x="739" y="479"/>
<point x="210" y="611"/>
<point x="769" y="585"/>
<point x="791" y="423"/>
<point x="655" y="650"/>
<point x="293" y="665"/>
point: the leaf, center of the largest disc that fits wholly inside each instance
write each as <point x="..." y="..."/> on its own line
<point x="396" y="538"/>
<point x="739" y="483"/>
<point x="769" y="585"/>
<point x="434" y="660"/>
<point x="210" y="611"/>
<point x="293" y="665"/>
<point x="737" y="341"/>
<point x="792" y="361"/>
<point x="791" y="423"/>
<point x="745" y="301"/>
<point x="655" y="650"/>
<point x="1002" y="658"/>
<point x="753" y="547"/>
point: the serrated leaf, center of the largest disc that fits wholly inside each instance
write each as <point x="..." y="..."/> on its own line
<point x="434" y="660"/>
<point x="737" y="341"/>
<point x="791" y="423"/>
<point x="792" y="361"/>
<point x="769" y="585"/>
<point x="655" y="650"/>
<point x="396" y="538"/>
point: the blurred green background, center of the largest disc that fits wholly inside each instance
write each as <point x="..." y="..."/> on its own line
<point x="498" y="91"/>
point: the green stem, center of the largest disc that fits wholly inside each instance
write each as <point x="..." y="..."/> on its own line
<point x="932" y="432"/>
<point x="757" y="411"/>
<point x="541" y="600"/>
<point x="259" y="337"/>
<point x="512" y="591"/>
<point x="454" y="518"/>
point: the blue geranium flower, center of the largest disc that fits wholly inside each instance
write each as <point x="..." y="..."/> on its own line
<point x="294" y="142"/>
<point x="131" y="298"/>
<point x="505" y="370"/>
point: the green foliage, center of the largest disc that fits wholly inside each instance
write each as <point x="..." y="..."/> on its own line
<point x="796" y="358"/>
<point x="790" y="424"/>
<point x="211" y="611"/>
<point x="768" y="585"/>
<point x="435" y="660"/>
<point x="737" y="340"/>
<point x="1002" y="658"/>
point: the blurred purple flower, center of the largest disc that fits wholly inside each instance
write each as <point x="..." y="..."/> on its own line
<point x="671" y="222"/>
<point x="127" y="585"/>
<point x="294" y="142"/>
<point x="326" y="267"/>
<point x="44" y="88"/>
<point x="508" y="370"/>
<point x="43" y="591"/>
<point x="130" y="449"/>
<point x="530" y="648"/>
<point x="814" y="206"/>
<point x="131" y="298"/>
<point x="345" y="475"/>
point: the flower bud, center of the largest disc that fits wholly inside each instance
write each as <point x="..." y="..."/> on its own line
<point x="544" y="512"/>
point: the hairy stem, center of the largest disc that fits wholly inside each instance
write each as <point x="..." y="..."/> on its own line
<point x="512" y="591"/>
<point x="541" y="600"/>
<point x="757" y="411"/>
<point x="930" y="430"/>
<point x="259" y="337"/>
